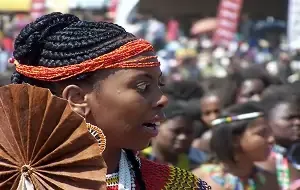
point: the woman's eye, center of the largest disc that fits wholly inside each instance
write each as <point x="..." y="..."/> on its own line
<point x="142" y="87"/>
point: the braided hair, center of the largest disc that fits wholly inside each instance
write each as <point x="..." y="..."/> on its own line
<point x="57" y="39"/>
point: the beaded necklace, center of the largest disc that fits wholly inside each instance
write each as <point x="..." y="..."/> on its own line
<point x="282" y="167"/>
<point x="125" y="178"/>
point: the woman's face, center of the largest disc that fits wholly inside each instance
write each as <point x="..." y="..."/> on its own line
<point x="210" y="107"/>
<point x="284" y="120"/>
<point x="250" y="90"/>
<point x="123" y="103"/>
<point x="256" y="141"/>
<point x="175" y="135"/>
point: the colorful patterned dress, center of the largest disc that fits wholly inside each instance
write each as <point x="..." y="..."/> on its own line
<point x="231" y="182"/>
<point x="163" y="177"/>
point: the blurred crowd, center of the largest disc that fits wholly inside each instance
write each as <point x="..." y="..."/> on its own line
<point x="254" y="74"/>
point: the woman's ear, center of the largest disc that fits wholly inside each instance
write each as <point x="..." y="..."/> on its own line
<point x="77" y="98"/>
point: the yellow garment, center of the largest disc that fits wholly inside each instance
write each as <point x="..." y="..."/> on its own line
<point x="182" y="162"/>
<point x="186" y="53"/>
<point x="15" y="5"/>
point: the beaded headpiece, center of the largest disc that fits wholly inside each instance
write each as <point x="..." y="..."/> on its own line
<point x="122" y="57"/>
<point x="236" y="118"/>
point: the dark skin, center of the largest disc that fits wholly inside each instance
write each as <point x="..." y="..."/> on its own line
<point x="175" y="137"/>
<point x="250" y="90"/>
<point x="119" y="102"/>
<point x="285" y="123"/>
<point x="284" y="120"/>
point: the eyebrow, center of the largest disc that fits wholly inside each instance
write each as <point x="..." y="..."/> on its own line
<point x="148" y="75"/>
<point x="144" y="75"/>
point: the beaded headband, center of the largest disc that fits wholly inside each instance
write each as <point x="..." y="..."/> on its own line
<point x="236" y="118"/>
<point x="119" y="58"/>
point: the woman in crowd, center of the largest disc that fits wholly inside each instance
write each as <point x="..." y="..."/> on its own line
<point x="240" y="138"/>
<point x="173" y="142"/>
<point x="113" y="80"/>
<point x="282" y="104"/>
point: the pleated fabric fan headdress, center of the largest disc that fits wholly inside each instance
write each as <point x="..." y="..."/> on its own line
<point x="45" y="145"/>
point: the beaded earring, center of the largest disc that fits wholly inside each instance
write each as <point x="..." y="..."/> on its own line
<point x="98" y="134"/>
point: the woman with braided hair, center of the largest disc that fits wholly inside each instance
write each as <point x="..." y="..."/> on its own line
<point x="113" y="80"/>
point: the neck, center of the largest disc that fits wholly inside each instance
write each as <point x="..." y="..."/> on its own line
<point x="112" y="158"/>
<point x="163" y="156"/>
<point x="242" y="170"/>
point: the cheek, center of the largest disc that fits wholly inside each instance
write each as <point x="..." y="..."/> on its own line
<point x="256" y="147"/>
<point x="282" y="123"/>
<point x="165" y="137"/>
<point x="126" y="108"/>
<point x="166" y="134"/>
<point x="280" y="127"/>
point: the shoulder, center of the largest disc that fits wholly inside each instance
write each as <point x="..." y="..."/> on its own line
<point x="206" y="169"/>
<point x="160" y="176"/>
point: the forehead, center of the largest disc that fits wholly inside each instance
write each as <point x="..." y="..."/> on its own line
<point x="284" y="108"/>
<point x="127" y="74"/>
<point x="131" y="73"/>
<point x="210" y="99"/>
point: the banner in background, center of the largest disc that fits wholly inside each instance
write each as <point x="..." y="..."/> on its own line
<point x="227" y="21"/>
<point x="294" y="24"/>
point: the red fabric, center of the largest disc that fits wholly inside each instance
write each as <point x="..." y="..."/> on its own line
<point x="173" y="30"/>
<point x="112" y="188"/>
<point x="154" y="174"/>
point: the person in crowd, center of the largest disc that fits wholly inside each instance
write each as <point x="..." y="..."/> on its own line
<point x="113" y="80"/>
<point x="210" y="106"/>
<point x="282" y="105"/>
<point x="176" y="133"/>
<point x="253" y="82"/>
<point x="240" y="138"/>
